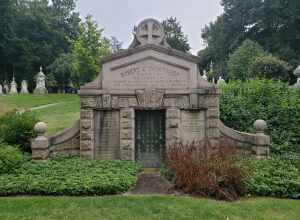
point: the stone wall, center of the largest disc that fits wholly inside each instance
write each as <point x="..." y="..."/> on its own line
<point x="66" y="143"/>
<point x="245" y="143"/>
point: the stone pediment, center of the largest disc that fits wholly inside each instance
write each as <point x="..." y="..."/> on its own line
<point x="148" y="71"/>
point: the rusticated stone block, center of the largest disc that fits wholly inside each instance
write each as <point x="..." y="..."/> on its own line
<point x="127" y="124"/>
<point x="127" y="155"/>
<point x="86" y="124"/>
<point x="129" y="114"/>
<point x="173" y="123"/>
<point x="212" y="133"/>
<point x="127" y="144"/>
<point x="86" y="114"/>
<point x="86" y="135"/>
<point x="86" y="145"/>
<point x="127" y="134"/>
<point x="90" y="102"/>
<point x="212" y="113"/>
<point x="173" y="113"/>
<point x="86" y="155"/>
<point x="212" y="123"/>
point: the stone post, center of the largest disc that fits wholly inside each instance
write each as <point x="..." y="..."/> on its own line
<point x="40" y="145"/>
<point x="297" y="74"/>
<point x="262" y="141"/>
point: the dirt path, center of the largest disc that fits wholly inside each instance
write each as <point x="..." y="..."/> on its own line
<point x="152" y="183"/>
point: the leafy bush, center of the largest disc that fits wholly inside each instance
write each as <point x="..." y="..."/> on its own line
<point x="274" y="177"/>
<point x="270" y="67"/>
<point x="243" y="58"/>
<point x="201" y="170"/>
<point x="70" y="176"/>
<point x="11" y="158"/>
<point x="17" y="129"/>
<point x="242" y="103"/>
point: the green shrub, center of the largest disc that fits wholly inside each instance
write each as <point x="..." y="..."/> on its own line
<point x="11" y="158"/>
<point x="243" y="58"/>
<point x="242" y="103"/>
<point x="17" y="129"/>
<point x="70" y="176"/>
<point x="274" y="177"/>
<point x="270" y="67"/>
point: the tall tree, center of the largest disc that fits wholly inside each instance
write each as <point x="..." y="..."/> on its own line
<point x="275" y="24"/>
<point x="35" y="33"/>
<point x="174" y="34"/>
<point x="88" y="49"/>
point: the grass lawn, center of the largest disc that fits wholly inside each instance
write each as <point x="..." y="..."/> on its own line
<point x="58" y="117"/>
<point x="145" y="208"/>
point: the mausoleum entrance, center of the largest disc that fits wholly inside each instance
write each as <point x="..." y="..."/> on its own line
<point x="150" y="136"/>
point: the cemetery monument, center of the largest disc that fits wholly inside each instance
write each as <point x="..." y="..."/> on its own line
<point x="40" y="83"/>
<point x="24" y="87"/>
<point x="147" y="98"/>
<point x="13" y="87"/>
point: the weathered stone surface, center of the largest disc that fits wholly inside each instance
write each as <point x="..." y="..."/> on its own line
<point x="151" y="77"/>
<point x="86" y="114"/>
<point x="86" y="124"/>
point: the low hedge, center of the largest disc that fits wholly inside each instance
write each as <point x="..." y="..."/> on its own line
<point x="11" y="158"/>
<point x="242" y="103"/>
<point x="70" y="176"/>
<point x="275" y="177"/>
<point x="17" y="129"/>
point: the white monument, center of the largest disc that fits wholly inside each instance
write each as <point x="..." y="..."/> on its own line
<point x="1" y="90"/>
<point x="221" y="81"/>
<point x="13" y="87"/>
<point x="24" y="87"/>
<point x="5" y="87"/>
<point x="205" y="75"/>
<point x="297" y="74"/>
<point x="40" y="83"/>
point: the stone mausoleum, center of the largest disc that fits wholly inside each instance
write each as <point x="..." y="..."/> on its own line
<point x="145" y="99"/>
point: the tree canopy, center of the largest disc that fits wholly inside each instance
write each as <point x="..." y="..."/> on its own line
<point x="274" y="24"/>
<point x="174" y="34"/>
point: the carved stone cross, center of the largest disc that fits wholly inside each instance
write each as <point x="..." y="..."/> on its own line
<point x="150" y="31"/>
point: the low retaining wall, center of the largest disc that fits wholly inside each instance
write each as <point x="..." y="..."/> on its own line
<point x="252" y="144"/>
<point x="67" y="142"/>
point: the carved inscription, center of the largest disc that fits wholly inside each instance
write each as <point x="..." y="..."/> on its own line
<point x="107" y="132"/>
<point x="192" y="125"/>
<point x="148" y="74"/>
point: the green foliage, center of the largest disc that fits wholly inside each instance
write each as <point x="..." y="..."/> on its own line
<point x="174" y="34"/>
<point x="243" y="102"/>
<point x="242" y="59"/>
<point x="70" y="176"/>
<point x="274" y="24"/>
<point x="61" y="69"/>
<point x="11" y="158"/>
<point x="274" y="177"/>
<point x="87" y="51"/>
<point x="34" y="33"/>
<point x="17" y="129"/>
<point x="270" y="67"/>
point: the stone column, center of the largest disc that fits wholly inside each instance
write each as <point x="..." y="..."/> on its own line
<point x="40" y="145"/>
<point x="262" y="141"/>
<point x="87" y="139"/>
<point x="127" y="137"/>
<point x="172" y="126"/>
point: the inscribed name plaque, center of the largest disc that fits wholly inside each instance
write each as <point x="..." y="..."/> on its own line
<point x="148" y="74"/>
<point x="107" y="135"/>
<point x="192" y="126"/>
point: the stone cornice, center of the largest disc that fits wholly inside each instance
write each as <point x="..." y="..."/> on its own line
<point x="165" y="50"/>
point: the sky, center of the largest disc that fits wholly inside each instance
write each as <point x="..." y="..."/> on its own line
<point x="118" y="17"/>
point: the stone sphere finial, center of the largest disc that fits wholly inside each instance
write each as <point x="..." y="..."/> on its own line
<point x="40" y="128"/>
<point x="260" y="126"/>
